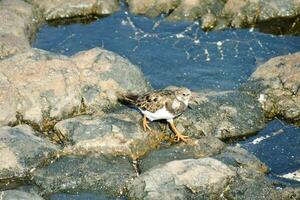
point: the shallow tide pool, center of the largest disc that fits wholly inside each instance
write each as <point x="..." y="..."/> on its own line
<point x="172" y="53"/>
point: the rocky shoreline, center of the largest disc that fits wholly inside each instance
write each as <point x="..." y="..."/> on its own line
<point x="62" y="129"/>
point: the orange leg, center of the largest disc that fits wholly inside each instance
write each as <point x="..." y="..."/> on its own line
<point x="179" y="136"/>
<point x="145" y="124"/>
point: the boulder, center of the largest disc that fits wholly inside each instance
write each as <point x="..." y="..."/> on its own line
<point x="182" y="179"/>
<point x="17" y="194"/>
<point x="59" y="9"/>
<point x="18" y="23"/>
<point x="93" y="173"/>
<point x="42" y="86"/>
<point x="276" y="84"/>
<point x="225" y="115"/>
<point x="21" y="151"/>
<point x="116" y="133"/>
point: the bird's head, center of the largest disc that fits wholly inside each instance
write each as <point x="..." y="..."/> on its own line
<point x="183" y="94"/>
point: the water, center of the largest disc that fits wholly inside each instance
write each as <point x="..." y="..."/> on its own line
<point x="278" y="146"/>
<point x="172" y="53"/>
<point x="182" y="54"/>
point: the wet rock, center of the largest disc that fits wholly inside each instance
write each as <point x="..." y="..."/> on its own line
<point x="204" y="147"/>
<point x="18" y="22"/>
<point x="276" y="85"/>
<point x="116" y="133"/>
<point x="94" y="173"/>
<point x="240" y="158"/>
<point x="17" y="194"/>
<point x="42" y="86"/>
<point x="224" y="115"/>
<point x="58" y="9"/>
<point x="183" y="179"/>
<point x="238" y="13"/>
<point x="21" y="150"/>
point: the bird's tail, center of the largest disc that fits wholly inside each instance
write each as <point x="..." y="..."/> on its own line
<point x="127" y="99"/>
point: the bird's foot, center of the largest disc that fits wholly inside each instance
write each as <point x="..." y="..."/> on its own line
<point x="145" y="124"/>
<point x="180" y="137"/>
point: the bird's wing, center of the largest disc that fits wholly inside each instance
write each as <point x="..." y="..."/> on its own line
<point x="155" y="100"/>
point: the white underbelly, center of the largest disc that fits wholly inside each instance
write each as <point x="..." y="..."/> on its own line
<point x="159" y="114"/>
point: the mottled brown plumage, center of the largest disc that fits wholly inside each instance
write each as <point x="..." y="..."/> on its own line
<point x="160" y="104"/>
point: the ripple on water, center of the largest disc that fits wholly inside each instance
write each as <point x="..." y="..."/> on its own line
<point x="172" y="53"/>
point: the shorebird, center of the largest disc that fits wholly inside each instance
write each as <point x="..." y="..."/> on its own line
<point x="160" y="105"/>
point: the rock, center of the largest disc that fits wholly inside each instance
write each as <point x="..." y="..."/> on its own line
<point x="238" y="157"/>
<point x="224" y="115"/>
<point x="238" y="13"/>
<point x="59" y="9"/>
<point x="17" y="194"/>
<point x="18" y="22"/>
<point x="42" y="86"/>
<point x="94" y="173"/>
<point x="276" y="85"/>
<point x="21" y="151"/>
<point x="116" y="133"/>
<point x="182" y="179"/>
<point x="204" y="147"/>
<point x="194" y="9"/>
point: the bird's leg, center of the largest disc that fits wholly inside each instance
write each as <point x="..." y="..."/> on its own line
<point x="179" y="136"/>
<point x="145" y="124"/>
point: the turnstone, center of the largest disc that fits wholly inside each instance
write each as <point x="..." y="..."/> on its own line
<point x="160" y="104"/>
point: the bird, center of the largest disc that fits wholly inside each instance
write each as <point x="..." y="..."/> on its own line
<point x="163" y="104"/>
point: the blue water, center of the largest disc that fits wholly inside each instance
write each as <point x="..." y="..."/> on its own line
<point x="278" y="146"/>
<point x="172" y="53"/>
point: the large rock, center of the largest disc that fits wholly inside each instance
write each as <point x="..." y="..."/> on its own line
<point x="224" y="115"/>
<point x="21" y="151"/>
<point x="116" y="133"/>
<point x="17" y="194"/>
<point x="94" y="173"/>
<point x="276" y="84"/>
<point x="183" y="179"/>
<point x="204" y="147"/>
<point x="235" y="13"/>
<point x="58" y="9"/>
<point x="40" y="86"/>
<point x="18" y="22"/>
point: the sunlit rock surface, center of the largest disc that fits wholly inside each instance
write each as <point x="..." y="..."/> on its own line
<point x="234" y="13"/>
<point x="183" y="179"/>
<point x="18" y="21"/>
<point x="22" y="150"/>
<point x="116" y="133"/>
<point x="43" y="86"/>
<point x="276" y="84"/>
<point x="58" y="9"/>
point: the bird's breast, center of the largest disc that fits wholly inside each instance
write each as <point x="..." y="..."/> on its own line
<point x="162" y="113"/>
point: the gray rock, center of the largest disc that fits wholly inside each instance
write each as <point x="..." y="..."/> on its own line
<point x="21" y="151"/>
<point x="276" y="85"/>
<point x="224" y="115"/>
<point x="18" y="195"/>
<point x="59" y="9"/>
<point x="237" y="13"/>
<point x="238" y="157"/>
<point x="18" y="23"/>
<point x="204" y="147"/>
<point x="203" y="178"/>
<point x="116" y="133"/>
<point x="42" y="87"/>
<point x="94" y="173"/>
